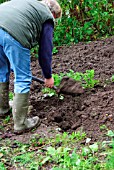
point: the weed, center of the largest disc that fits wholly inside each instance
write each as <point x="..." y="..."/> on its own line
<point x="34" y="51"/>
<point x="112" y="78"/>
<point x="110" y="133"/>
<point x="110" y="159"/>
<point x="6" y="120"/>
<point x="11" y="95"/>
<point x="88" y="77"/>
<point x="60" y="152"/>
<point x="103" y="127"/>
<point x="49" y="91"/>
<point x="1" y="127"/>
<point x="55" y="51"/>
<point x="2" y="166"/>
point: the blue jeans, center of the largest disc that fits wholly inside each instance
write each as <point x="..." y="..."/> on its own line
<point x="14" y="55"/>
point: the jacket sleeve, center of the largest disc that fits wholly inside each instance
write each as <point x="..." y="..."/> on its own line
<point x="45" y="49"/>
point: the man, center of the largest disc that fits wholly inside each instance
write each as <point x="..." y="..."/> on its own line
<point x="23" y="24"/>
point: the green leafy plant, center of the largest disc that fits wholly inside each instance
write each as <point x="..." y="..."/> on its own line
<point x="55" y="51"/>
<point x="75" y="75"/>
<point x="58" y="78"/>
<point x="49" y="91"/>
<point x="112" y="78"/>
<point x="87" y="78"/>
<point x="110" y="133"/>
<point x="11" y="95"/>
<point x="84" y="20"/>
<point x="6" y="120"/>
<point x="2" y="166"/>
<point x="110" y="158"/>
<point x="34" y="51"/>
<point x="62" y="151"/>
<point x="52" y="92"/>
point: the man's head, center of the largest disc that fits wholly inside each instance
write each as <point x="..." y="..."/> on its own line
<point x="54" y="8"/>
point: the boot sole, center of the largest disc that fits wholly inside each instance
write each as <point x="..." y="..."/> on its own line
<point x="27" y="130"/>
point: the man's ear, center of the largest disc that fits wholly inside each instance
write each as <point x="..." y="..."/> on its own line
<point x="54" y="15"/>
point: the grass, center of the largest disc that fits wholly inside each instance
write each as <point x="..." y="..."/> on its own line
<point x="64" y="151"/>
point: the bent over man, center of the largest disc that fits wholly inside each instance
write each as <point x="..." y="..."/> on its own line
<point x="23" y="24"/>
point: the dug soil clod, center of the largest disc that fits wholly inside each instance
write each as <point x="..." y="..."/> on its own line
<point x="70" y="86"/>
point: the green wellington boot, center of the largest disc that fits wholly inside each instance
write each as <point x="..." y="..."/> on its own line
<point x="20" y="108"/>
<point x="4" y="99"/>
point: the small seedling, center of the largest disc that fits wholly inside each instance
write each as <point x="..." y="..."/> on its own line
<point x="103" y="127"/>
<point x="110" y="133"/>
<point x="11" y="95"/>
<point x="55" y="51"/>
<point x="49" y="91"/>
<point x="112" y="78"/>
<point x="6" y="120"/>
<point x="88" y="78"/>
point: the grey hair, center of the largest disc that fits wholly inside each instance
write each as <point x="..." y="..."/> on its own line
<point x="54" y="7"/>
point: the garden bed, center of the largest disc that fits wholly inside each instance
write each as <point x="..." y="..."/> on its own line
<point x="88" y="112"/>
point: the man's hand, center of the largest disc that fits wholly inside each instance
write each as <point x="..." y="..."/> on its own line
<point x="49" y="82"/>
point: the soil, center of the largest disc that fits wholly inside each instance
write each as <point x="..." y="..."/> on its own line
<point x="87" y="111"/>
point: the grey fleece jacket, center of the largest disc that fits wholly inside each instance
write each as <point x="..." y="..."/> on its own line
<point x="23" y="19"/>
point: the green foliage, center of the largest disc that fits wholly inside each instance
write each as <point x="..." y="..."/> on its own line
<point x="110" y="133"/>
<point x="1" y="1"/>
<point x="58" y="78"/>
<point x="110" y="158"/>
<point x="52" y="92"/>
<point x="48" y="91"/>
<point x="110" y="162"/>
<point x="34" y="51"/>
<point x="55" y="51"/>
<point x="69" y="160"/>
<point x="2" y="167"/>
<point x="11" y="95"/>
<point x="62" y="151"/>
<point x="84" y="20"/>
<point x="6" y="120"/>
<point x="24" y="159"/>
<point x="112" y="78"/>
<point x="87" y="78"/>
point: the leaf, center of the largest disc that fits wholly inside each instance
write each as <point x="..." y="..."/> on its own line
<point x="51" y="150"/>
<point x="45" y="160"/>
<point x="94" y="147"/>
<point x="85" y="151"/>
<point x="78" y="162"/>
<point x="110" y="133"/>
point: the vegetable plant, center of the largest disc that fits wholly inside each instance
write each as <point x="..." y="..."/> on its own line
<point x="87" y="80"/>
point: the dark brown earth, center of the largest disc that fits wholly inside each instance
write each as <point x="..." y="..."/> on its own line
<point x="87" y="111"/>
